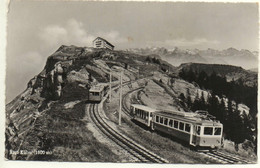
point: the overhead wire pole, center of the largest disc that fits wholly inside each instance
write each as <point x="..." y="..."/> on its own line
<point x="120" y="99"/>
<point x="110" y="87"/>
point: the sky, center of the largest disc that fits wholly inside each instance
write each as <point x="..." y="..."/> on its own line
<point x="36" y="29"/>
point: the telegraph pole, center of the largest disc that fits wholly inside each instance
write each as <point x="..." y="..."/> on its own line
<point x="110" y="87"/>
<point x="120" y="99"/>
<point x="138" y="72"/>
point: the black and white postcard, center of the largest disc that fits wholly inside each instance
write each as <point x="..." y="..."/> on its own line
<point x="158" y="83"/>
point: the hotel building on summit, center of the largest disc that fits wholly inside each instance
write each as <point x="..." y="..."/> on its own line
<point x="102" y="43"/>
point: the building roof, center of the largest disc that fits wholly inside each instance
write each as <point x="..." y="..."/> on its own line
<point x="143" y="107"/>
<point x="104" y="40"/>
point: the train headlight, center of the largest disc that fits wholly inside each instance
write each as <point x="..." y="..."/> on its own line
<point x="212" y="146"/>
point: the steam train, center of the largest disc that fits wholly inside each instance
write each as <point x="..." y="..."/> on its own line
<point x="199" y="129"/>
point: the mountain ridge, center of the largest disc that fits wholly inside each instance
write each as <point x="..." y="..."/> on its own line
<point x="229" y="56"/>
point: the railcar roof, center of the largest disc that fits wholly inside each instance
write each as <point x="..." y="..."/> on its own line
<point x="188" y="117"/>
<point x="143" y="107"/>
<point x="96" y="88"/>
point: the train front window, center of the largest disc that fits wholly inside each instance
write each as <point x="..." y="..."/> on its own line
<point x="181" y="126"/>
<point x="170" y="123"/>
<point x="95" y="93"/>
<point x="208" y="131"/>
<point x="217" y="131"/>
<point x="187" y="127"/>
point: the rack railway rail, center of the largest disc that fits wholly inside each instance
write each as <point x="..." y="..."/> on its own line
<point x="138" y="151"/>
<point x="225" y="158"/>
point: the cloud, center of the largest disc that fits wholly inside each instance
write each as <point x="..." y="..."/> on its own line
<point x="53" y="34"/>
<point x="74" y="33"/>
<point x="113" y="36"/>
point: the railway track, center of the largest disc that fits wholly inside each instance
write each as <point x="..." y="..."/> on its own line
<point x="136" y="150"/>
<point x="225" y="158"/>
<point x="124" y="106"/>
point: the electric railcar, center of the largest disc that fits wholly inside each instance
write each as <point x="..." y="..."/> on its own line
<point x="198" y="129"/>
<point x="142" y="114"/>
<point x="96" y="93"/>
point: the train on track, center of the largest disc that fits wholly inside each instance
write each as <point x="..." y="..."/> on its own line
<point x="199" y="129"/>
<point x="97" y="92"/>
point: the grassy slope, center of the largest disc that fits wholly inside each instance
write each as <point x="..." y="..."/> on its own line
<point x="63" y="132"/>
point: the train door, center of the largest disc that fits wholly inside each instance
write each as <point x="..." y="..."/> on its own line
<point x="149" y="118"/>
<point x="132" y="111"/>
<point x="194" y="134"/>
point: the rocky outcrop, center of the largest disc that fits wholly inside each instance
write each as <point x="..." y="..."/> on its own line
<point x="52" y="85"/>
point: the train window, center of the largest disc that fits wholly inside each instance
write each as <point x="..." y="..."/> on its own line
<point x="151" y="114"/>
<point x="181" y="126"/>
<point x="156" y="118"/>
<point x="161" y="120"/>
<point x="198" y="130"/>
<point x="176" y="123"/>
<point x="170" y="123"/>
<point x="208" y="131"/>
<point x="95" y="93"/>
<point x="166" y="121"/>
<point x="217" y="131"/>
<point x="187" y="127"/>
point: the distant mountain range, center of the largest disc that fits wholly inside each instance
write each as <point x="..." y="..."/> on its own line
<point x="230" y="56"/>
